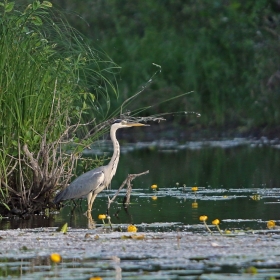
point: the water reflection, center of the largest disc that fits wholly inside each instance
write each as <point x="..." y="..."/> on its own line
<point x="238" y="185"/>
<point x="238" y="167"/>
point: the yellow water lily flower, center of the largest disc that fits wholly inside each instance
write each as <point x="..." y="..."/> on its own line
<point x="132" y="228"/>
<point x="95" y="278"/>
<point x="270" y="224"/>
<point x="101" y="216"/>
<point x="153" y="187"/>
<point x="154" y="197"/>
<point x="55" y="257"/>
<point x="203" y="218"/>
<point x="215" y="222"/>
<point x="194" y="188"/>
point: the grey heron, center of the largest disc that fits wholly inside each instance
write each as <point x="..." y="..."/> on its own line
<point x="91" y="183"/>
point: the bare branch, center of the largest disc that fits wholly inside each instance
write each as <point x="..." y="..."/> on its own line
<point x="9" y="188"/>
<point x="127" y="182"/>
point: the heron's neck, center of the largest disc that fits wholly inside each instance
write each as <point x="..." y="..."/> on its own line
<point x="116" y="155"/>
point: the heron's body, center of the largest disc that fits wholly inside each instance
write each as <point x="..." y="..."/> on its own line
<point x="94" y="181"/>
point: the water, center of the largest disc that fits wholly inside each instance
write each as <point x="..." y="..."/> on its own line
<point x="238" y="185"/>
<point x="238" y="182"/>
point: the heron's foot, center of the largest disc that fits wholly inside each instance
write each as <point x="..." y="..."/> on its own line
<point x="91" y="223"/>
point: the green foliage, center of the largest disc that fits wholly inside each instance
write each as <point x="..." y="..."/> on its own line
<point x="49" y="80"/>
<point x="220" y="49"/>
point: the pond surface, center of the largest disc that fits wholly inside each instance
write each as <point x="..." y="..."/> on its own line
<point x="238" y="183"/>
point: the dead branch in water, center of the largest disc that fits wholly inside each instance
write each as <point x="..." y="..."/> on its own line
<point x="127" y="182"/>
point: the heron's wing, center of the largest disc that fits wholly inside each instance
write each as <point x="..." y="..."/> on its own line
<point x="82" y="185"/>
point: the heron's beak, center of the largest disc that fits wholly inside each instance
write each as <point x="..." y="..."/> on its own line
<point x="136" y="124"/>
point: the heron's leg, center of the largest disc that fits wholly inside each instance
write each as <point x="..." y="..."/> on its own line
<point x="93" y="196"/>
<point x="88" y="200"/>
<point x="91" y="223"/>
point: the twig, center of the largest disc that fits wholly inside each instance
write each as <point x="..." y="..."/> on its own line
<point x="127" y="182"/>
<point x="10" y="189"/>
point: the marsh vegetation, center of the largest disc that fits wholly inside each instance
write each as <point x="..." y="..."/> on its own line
<point x="49" y="80"/>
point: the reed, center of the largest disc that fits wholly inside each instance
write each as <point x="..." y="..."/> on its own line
<point x="50" y="78"/>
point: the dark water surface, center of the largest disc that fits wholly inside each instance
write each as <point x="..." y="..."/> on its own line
<point x="238" y="182"/>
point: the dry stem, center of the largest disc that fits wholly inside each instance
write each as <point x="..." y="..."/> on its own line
<point x="127" y="182"/>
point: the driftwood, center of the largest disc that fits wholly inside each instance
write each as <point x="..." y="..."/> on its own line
<point x="127" y="182"/>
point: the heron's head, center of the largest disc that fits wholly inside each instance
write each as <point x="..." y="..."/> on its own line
<point x="122" y="124"/>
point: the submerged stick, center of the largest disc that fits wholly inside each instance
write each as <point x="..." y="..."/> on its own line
<point x="127" y="182"/>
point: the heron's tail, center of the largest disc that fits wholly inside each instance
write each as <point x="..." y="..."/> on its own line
<point x="59" y="197"/>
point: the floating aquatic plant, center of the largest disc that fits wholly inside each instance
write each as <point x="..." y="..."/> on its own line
<point x="134" y="236"/>
<point x="132" y="228"/>
<point x="251" y="270"/>
<point x="64" y="228"/>
<point x="203" y="219"/>
<point x="216" y="223"/>
<point x="55" y="258"/>
<point x="271" y="224"/>
<point x="154" y="187"/>
<point x="102" y="217"/>
<point x="154" y="197"/>
<point x="194" y="188"/>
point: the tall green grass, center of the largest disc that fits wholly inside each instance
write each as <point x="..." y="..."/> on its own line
<point x="50" y="79"/>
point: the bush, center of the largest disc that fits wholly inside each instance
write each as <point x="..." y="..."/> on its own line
<point x="45" y="69"/>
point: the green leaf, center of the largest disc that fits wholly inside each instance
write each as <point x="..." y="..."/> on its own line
<point x="14" y="143"/>
<point x="27" y="135"/>
<point x="9" y="7"/>
<point x="92" y="96"/>
<point x="37" y="21"/>
<point x="35" y="5"/>
<point x="37" y="138"/>
<point x="64" y="228"/>
<point x="46" y="4"/>
<point x="79" y="149"/>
